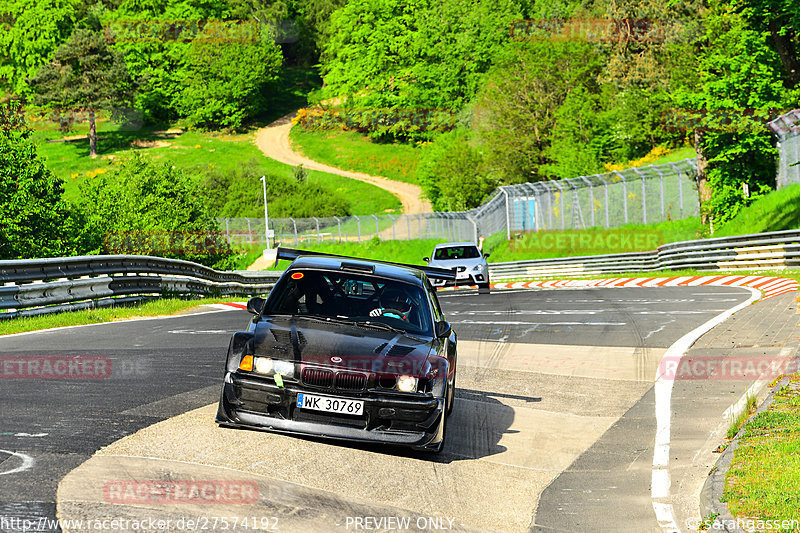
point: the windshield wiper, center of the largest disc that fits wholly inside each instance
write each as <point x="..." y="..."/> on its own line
<point x="381" y="325"/>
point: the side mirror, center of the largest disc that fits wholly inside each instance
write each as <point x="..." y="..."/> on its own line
<point x="443" y="329"/>
<point x="486" y="255"/>
<point x="426" y="259"/>
<point x="255" y="305"/>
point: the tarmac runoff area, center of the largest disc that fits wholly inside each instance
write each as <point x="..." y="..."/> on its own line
<point x="545" y="378"/>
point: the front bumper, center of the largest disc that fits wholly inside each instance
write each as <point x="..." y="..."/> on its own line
<point x="462" y="279"/>
<point x="257" y="403"/>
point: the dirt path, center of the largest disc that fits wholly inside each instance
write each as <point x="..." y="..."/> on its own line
<point x="273" y="141"/>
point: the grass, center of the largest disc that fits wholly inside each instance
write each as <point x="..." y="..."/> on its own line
<point x="159" y="307"/>
<point x="191" y="150"/>
<point x="676" y="155"/>
<point x="738" y="421"/>
<point x="764" y="479"/>
<point x="774" y="212"/>
<point x="349" y="150"/>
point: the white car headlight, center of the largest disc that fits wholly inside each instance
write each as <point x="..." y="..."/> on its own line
<point x="407" y="384"/>
<point x="263" y="365"/>
<point x="284" y="368"/>
<point x="477" y="268"/>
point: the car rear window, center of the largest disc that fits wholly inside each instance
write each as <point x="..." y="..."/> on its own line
<point x="456" y="252"/>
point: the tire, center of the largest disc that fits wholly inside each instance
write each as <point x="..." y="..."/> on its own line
<point x="483" y="288"/>
<point x="451" y="397"/>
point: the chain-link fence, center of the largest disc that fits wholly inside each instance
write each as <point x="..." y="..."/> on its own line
<point x="641" y="195"/>
<point x="787" y="128"/>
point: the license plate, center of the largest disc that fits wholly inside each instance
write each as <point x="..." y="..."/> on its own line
<point x="330" y="405"/>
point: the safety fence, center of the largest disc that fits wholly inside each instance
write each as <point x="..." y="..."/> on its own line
<point x="41" y="286"/>
<point x="787" y="129"/>
<point x="641" y="195"/>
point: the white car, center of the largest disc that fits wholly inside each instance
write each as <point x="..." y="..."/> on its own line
<point x="465" y="259"/>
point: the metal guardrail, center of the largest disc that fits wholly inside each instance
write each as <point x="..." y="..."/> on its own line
<point x="41" y="286"/>
<point x="775" y="250"/>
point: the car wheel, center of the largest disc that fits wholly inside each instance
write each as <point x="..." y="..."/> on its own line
<point x="451" y="396"/>
<point x="483" y="288"/>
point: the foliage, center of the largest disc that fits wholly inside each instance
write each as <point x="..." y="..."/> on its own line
<point x="35" y="220"/>
<point x="84" y="75"/>
<point x="740" y="85"/>
<point x="30" y="31"/>
<point x="239" y="194"/>
<point x="143" y="207"/>
<point x="400" y="55"/>
<point x="224" y="85"/>
<point x="453" y="174"/>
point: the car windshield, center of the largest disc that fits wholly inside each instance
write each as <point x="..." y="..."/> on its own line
<point x="456" y="252"/>
<point x="351" y="297"/>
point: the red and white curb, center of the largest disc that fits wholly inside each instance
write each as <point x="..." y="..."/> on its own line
<point x="769" y="286"/>
<point x="229" y="306"/>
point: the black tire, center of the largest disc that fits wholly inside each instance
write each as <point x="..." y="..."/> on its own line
<point x="483" y="288"/>
<point x="451" y="397"/>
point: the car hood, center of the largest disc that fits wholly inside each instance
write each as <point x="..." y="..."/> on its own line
<point x="344" y="346"/>
<point x="450" y="263"/>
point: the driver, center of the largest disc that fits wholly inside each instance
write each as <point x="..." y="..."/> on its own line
<point x="394" y="303"/>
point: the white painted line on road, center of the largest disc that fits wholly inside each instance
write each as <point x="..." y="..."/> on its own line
<point x="115" y="322"/>
<point x="659" y="489"/>
<point x="512" y="323"/>
<point x="27" y="462"/>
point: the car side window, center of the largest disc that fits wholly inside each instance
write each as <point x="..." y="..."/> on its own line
<point x="438" y="316"/>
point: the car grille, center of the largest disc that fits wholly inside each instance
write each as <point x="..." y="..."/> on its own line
<point x="459" y="269"/>
<point x="323" y="378"/>
<point x="350" y="381"/>
<point x="317" y="377"/>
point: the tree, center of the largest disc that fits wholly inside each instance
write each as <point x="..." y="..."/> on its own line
<point x="84" y="75"/>
<point x="149" y="208"/>
<point x="30" y="31"/>
<point x="35" y="216"/>
<point x="225" y="84"/>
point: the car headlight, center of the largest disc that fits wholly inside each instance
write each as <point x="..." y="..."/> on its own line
<point x="477" y="268"/>
<point x="407" y="384"/>
<point x="269" y="366"/>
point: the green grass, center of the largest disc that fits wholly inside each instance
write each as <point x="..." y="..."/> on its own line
<point x="776" y="211"/>
<point x="738" y="421"/>
<point x="191" y="150"/>
<point x="677" y="155"/>
<point x="764" y="479"/>
<point x="353" y="151"/>
<point x="160" y="307"/>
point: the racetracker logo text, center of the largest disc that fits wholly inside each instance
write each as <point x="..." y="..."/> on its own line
<point x="55" y="367"/>
<point x="192" y="492"/>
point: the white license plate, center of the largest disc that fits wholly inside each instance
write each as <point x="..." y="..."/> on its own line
<point x="330" y="405"/>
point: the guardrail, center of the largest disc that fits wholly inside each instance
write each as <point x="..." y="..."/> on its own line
<point x="41" y="286"/>
<point x="775" y="250"/>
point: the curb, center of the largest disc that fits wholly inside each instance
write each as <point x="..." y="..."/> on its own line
<point x="769" y="286"/>
<point x="714" y="486"/>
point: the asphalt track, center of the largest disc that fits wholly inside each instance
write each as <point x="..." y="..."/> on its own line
<point x="544" y="376"/>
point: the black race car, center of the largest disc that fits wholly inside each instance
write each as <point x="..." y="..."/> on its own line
<point x="346" y="349"/>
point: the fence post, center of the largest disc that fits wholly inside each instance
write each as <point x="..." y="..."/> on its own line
<point x="319" y="237"/>
<point x="339" y="225"/>
<point x="680" y="189"/>
<point x="359" y="227"/>
<point x="294" y="225"/>
<point x="408" y="226"/>
<point x="591" y="198"/>
<point x="508" y="215"/>
<point x="249" y="231"/>
<point x="661" y="188"/>
<point x="474" y="227"/>
<point x="624" y="194"/>
<point x="377" y="230"/>
<point x="227" y="230"/>
<point x="605" y="190"/>
<point x="394" y="237"/>
<point x="644" y="197"/>
<point x="561" y="201"/>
